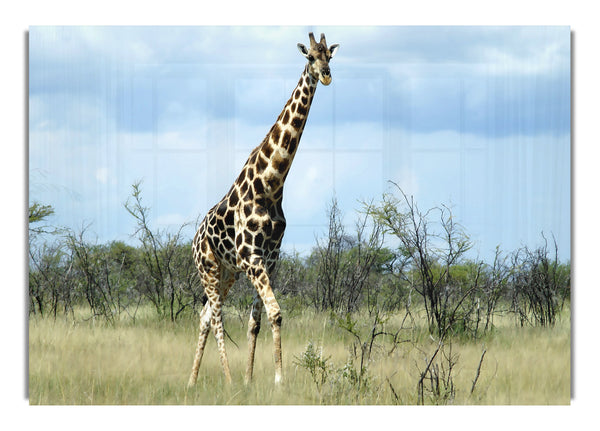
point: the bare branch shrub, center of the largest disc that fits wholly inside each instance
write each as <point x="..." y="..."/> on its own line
<point x="94" y="281"/>
<point x="50" y="279"/>
<point x="436" y="380"/>
<point x="539" y="285"/>
<point x="344" y="263"/>
<point x="161" y="252"/>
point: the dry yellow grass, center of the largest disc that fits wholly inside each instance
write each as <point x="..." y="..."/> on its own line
<point x="148" y="363"/>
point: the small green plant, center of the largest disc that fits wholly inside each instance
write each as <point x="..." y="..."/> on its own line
<point x="347" y="384"/>
<point x="359" y="379"/>
<point x="364" y="342"/>
<point x="312" y="360"/>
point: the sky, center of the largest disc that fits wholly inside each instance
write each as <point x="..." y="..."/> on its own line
<point x="475" y="118"/>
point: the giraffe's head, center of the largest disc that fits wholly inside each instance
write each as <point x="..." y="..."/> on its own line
<point x="318" y="56"/>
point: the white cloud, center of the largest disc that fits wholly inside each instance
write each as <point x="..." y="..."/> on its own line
<point x="406" y="179"/>
<point x="172" y="219"/>
<point x="308" y="186"/>
<point x="102" y="175"/>
<point x="545" y="59"/>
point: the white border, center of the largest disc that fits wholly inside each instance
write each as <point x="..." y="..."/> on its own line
<point x="13" y="164"/>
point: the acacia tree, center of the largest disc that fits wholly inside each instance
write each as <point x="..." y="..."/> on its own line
<point x="329" y="261"/>
<point x="426" y="255"/>
<point x="539" y="285"/>
<point x="92" y="281"/>
<point x="159" y="256"/>
<point x="50" y="279"/>
<point x="104" y="275"/>
<point x="495" y="285"/>
<point x="344" y="263"/>
<point x="49" y="264"/>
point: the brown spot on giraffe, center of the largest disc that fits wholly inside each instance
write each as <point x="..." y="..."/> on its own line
<point x="275" y="133"/>
<point x="259" y="189"/>
<point x="297" y="122"/>
<point x="285" y="140"/>
<point x="267" y="150"/>
<point x="281" y="165"/>
<point x="302" y="110"/>
<point x="243" y="232"/>
<point x="252" y="225"/>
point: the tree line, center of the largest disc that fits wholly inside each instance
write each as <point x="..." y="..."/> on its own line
<point x="396" y="258"/>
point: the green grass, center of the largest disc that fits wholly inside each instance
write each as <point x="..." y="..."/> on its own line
<point x="148" y="362"/>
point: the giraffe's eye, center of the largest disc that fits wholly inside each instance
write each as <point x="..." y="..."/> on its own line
<point x="311" y="58"/>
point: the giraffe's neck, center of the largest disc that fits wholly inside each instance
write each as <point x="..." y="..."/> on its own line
<point x="276" y="153"/>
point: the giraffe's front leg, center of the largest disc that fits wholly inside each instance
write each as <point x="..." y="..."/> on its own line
<point x="257" y="274"/>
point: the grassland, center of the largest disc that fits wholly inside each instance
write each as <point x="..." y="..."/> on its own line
<point x="148" y="362"/>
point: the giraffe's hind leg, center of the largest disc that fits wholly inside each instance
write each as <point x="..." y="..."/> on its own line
<point x="216" y="281"/>
<point x="225" y="282"/>
<point x="253" y="330"/>
<point x="205" y="319"/>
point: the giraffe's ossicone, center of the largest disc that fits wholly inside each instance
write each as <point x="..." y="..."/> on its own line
<point x="243" y="232"/>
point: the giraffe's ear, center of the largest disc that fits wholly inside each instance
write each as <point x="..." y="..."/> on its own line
<point x="333" y="49"/>
<point x="303" y="50"/>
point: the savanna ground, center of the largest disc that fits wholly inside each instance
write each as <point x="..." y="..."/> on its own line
<point x="73" y="361"/>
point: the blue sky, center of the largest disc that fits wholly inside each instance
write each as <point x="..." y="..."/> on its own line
<point x="477" y="118"/>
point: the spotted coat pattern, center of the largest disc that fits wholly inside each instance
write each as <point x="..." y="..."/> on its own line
<point x="243" y="232"/>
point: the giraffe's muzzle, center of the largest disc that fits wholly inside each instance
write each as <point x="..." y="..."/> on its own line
<point x="325" y="75"/>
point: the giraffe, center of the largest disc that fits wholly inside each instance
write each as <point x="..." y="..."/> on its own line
<point x="243" y="232"/>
